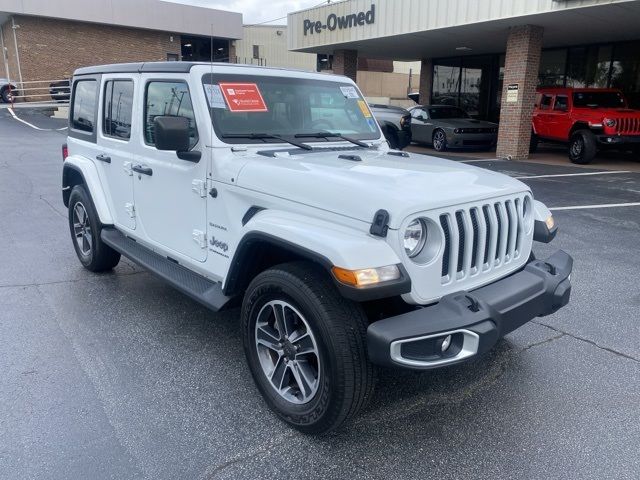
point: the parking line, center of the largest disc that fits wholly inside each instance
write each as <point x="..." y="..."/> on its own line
<point x="612" y="172"/>
<point x="15" y="117"/>
<point x="604" y="205"/>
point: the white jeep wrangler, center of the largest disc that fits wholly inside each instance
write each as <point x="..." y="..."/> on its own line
<point x="276" y="189"/>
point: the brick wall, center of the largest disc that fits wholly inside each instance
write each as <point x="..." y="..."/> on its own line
<point x="426" y="80"/>
<point x="52" y="49"/>
<point x="345" y="62"/>
<point x="522" y="60"/>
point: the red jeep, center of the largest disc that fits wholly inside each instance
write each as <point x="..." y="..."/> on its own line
<point x="587" y="119"/>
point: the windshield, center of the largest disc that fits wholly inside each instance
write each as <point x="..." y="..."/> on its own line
<point x="447" y="112"/>
<point x="256" y="109"/>
<point x="598" y="100"/>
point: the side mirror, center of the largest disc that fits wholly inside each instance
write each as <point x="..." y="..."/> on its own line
<point x="420" y="117"/>
<point x="172" y="134"/>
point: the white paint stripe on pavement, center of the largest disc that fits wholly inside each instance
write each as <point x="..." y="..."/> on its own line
<point x="15" y="117"/>
<point x="480" y="160"/>
<point x="611" y="172"/>
<point x="604" y="205"/>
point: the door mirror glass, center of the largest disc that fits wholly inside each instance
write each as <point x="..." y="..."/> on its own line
<point x="420" y="117"/>
<point x="171" y="133"/>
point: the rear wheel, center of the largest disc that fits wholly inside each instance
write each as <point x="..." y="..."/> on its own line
<point x="439" y="140"/>
<point x="7" y="95"/>
<point x="533" y="143"/>
<point x="85" y="229"/>
<point x="582" y="147"/>
<point x="306" y="347"/>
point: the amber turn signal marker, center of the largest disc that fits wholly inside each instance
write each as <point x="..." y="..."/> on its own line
<point x="345" y="276"/>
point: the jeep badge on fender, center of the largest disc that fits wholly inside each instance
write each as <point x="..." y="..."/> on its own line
<point x="344" y="254"/>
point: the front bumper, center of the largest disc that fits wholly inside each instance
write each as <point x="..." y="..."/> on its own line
<point x="471" y="140"/>
<point x="618" y="139"/>
<point x="470" y="323"/>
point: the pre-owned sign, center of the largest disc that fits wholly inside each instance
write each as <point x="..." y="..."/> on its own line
<point x="334" y="22"/>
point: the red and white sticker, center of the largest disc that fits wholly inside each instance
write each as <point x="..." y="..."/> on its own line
<point x="243" y="97"/>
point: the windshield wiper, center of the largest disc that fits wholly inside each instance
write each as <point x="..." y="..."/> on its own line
<point x="267" y="136"/>
<point x="329" y="134"/>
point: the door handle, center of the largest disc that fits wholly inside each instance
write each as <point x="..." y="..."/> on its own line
<point x="103" y="158"/>
<point x="143" y="169"/>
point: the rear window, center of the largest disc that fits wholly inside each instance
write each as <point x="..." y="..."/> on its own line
<point x="83" y="113"/>
<point x="118" y="103"/>
<point x="545" y="103"/>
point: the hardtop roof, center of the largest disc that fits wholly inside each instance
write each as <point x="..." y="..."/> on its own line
<point x="163" y="67"/>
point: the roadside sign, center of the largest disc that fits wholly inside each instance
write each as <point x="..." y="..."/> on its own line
<point x="512" y="92"/>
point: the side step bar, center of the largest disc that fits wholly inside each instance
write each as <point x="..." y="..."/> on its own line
<point x="201" y="289"/>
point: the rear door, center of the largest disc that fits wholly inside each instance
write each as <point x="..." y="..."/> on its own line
<point x="559" y="122"/>
<point x="114" y="154"/>
<point x="170" y="193"/>
<point x="542" y="115"/>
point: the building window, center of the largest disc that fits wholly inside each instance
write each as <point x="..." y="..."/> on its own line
<point x="168" y="99"/>
<point x="589" y="66"/>
<point x="256" y="52"/>
<point x="118" y="101"/>
<point x="84" y="105"/>
<point x="553" y="66"/>
<point x="625" y="71"/>
<point x="446" y="83"/>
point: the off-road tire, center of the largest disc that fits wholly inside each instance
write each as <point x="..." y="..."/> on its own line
<point x="582" y="147"/>
<point x="392" y="137"/>
<point x="533" y="143"/>
<point x="439" y="140"/>
<point x="346" y="378"/>
<point x="100" y="257"/>
<point x="7" y="94"/>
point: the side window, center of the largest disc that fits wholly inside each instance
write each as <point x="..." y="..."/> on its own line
<point x="168" y="98"/>
<point x="416" y="112"/>
<point x="83" y="113"/>
<point x="561" y="104"/>
<point x="118" y="103"/>
<point x="545" y="103"/>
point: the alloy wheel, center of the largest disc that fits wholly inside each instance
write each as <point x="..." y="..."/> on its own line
<point x="82" y="229"/>
<point x="439" y="140"/>
<point x="287" y="351"/>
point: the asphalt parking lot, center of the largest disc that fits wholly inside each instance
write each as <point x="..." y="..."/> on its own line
<point x="120" y="376"/>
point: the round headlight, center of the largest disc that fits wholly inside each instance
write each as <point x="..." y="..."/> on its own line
<point x="415" y="237"/>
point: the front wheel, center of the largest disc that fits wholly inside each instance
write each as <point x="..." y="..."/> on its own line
<point x="306" y="347"/>
<point x="582" y="147"/>
<point x="439" y="141"/>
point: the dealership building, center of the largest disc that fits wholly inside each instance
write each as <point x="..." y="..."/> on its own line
<point x="473" y="52"/>
<point x="45" y="40"/>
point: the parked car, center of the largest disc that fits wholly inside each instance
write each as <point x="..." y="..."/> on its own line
<point x="7" y="90"/>
<point x="587" y="119"/>
<point x="342" y="252"/>
<point x="60" y="91"/>
<point x="444" y="126"/>
<point x="395" y="123"/>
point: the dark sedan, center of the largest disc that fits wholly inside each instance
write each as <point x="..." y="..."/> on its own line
<point x="444" y="126"/>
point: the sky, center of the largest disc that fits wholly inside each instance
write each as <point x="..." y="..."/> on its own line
<point x="254" y="11"/>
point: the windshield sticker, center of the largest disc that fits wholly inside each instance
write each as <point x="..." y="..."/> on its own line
<point x="372" y="124"/>
<point x="243" y="97"/>
<point x="364" y="108"/>
<point x="214" y="96"/>
<point x="350" y="92"/>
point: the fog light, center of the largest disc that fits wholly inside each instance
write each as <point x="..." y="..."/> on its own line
<point x="446" y="343"/>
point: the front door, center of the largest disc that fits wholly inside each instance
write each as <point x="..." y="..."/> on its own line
<point x="170" y="193"/>
<point x="420" y="126"/>
<point x="113" y="154"/>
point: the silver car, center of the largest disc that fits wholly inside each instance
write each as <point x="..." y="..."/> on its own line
<point x="444" y="126"/>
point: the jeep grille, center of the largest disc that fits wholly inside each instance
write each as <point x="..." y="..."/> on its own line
<point x="628" y="126"/>
<point x="482" y="238"/>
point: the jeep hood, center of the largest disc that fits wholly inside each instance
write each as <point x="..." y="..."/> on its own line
<point x="401" y="185"/>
